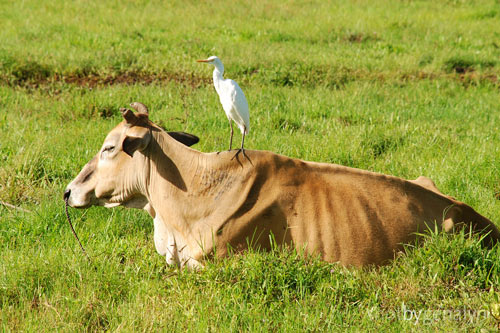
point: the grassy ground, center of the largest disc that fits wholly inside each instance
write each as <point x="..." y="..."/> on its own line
<point x="407" y="88"/>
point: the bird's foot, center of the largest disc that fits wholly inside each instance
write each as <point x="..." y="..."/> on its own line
<point x="241" y="150"/>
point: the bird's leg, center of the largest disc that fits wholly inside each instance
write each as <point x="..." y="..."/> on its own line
<point x="231" y="139"/>
<point x="243" y="142"/>
<point x="242" y="150"/>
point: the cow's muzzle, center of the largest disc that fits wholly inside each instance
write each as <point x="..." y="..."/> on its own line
<point x="66" y="194"/>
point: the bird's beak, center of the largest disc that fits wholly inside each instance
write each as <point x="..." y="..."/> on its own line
<point x="202" y="60"/>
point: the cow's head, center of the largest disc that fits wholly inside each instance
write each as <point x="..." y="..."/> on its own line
<point x="113" y="176"/>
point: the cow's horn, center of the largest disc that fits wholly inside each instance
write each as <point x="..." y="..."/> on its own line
<point x="129" y="115"/>
<point x="139" y="107"/>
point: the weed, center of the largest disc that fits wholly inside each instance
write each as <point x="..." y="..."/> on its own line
<point x="466" y="64"/>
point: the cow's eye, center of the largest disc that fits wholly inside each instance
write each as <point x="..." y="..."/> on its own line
<point x="108" y="149"/>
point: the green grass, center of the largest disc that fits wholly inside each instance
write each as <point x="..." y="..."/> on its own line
<point x="398" y="87"/>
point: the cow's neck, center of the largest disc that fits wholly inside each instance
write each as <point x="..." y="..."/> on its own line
<point x="171" y="166"/>
<point x="189" y="189"/>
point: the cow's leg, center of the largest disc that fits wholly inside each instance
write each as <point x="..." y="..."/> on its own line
<point x="459" y="215"/>
<point x="165" y="242"/>
<point x="163" y="238"/>
<point x="190" y="263"/>
<point x="171" y="256"/>
<point x="462" y="216"/>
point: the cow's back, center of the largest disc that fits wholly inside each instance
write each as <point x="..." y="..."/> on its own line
<point x="344" y="214"/>
<point x="359" y="217"/>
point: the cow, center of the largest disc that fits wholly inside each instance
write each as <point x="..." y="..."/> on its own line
<point x="210" y="204"/>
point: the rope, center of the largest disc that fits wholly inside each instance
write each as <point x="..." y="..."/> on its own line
<point x="73" y="229"/>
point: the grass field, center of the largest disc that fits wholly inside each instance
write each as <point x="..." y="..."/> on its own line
<point x="406" y="88"/>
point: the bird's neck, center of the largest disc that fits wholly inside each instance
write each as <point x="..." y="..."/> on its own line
<point x="218" y="77"/>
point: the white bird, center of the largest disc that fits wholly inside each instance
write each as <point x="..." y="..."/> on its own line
<point x="232" y="99"/>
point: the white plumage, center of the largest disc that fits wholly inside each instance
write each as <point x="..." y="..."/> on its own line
<point x="232" y="99"/>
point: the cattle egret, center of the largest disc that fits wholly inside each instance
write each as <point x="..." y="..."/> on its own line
<point x="232" y="99"/>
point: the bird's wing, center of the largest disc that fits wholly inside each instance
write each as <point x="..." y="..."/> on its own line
<point x="239" y="103"/>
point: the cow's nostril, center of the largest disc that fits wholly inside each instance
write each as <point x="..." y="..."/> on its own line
<point x="67" y="193"/>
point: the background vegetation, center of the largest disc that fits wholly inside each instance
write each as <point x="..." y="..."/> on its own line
<point x="407" y="88"/>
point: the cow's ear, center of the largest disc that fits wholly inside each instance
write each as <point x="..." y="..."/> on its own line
<point x="137" y="140"/>
<point x="184" y="138"/>
<point x="130" y="145"/>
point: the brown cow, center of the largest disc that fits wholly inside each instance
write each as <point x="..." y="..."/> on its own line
<point x="204" y="202"/>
